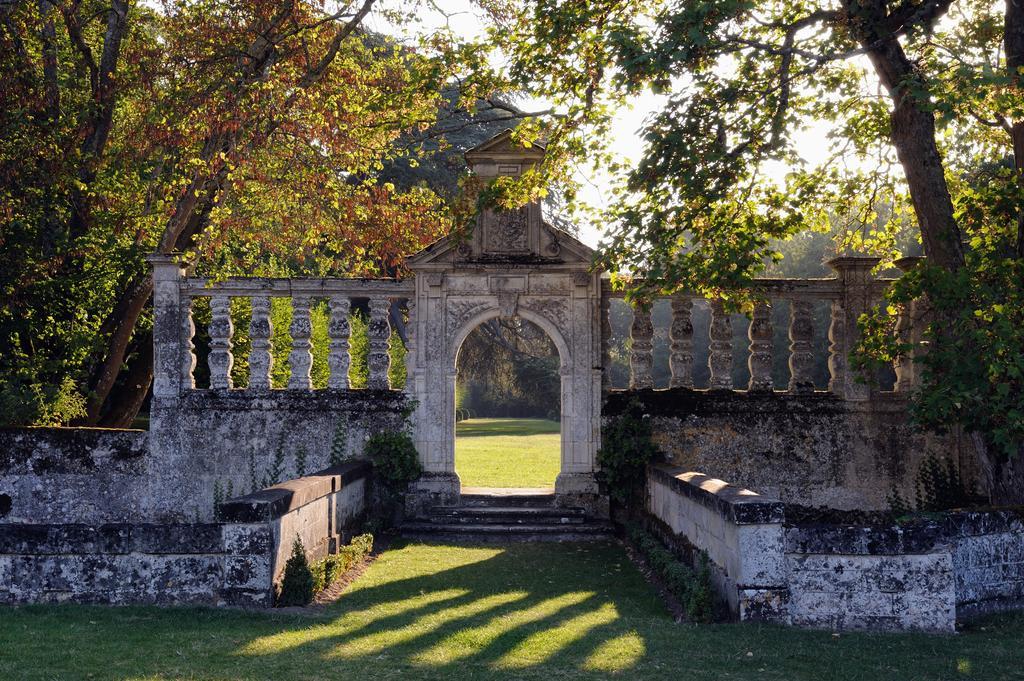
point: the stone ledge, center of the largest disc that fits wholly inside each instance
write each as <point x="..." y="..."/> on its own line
<point x="916" y="536"/>
<point x="293" y="400"/>
<point x="57" y="451"/>
<point x="111" y="539"/>
<point x="274" y="502"/>
<point x="741" y="506"/>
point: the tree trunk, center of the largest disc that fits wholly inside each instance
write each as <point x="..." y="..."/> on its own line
<point x="121" y="324"/>
<point x="1013" y="45"/>
<point x="128" y="396"/>
<point x="913" y="135"/>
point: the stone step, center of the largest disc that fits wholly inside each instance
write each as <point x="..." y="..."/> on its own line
<point x="507" y="500"/>
<point x="498" y="533"/>
<point x="511" y="515"/>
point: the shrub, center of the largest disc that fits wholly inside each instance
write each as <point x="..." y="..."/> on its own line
<point x="394" y="458"/>
<point x="692" y="587"/>
<point x="325" y="572"/>
<point x="625" y="452"/>
<point x="298" y="583"/>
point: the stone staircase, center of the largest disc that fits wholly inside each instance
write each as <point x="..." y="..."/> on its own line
<point x="500" y="516"/>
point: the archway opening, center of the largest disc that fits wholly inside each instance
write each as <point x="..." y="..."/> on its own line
<point x="508" y="407"/>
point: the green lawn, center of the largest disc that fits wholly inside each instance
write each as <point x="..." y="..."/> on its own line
<point x="507" y="452"/>
<point x="525" y="611"/>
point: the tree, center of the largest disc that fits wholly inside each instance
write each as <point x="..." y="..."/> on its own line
<point x="917" y="94"/>
<point x="247" y="137"/>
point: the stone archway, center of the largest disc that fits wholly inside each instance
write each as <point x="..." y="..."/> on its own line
<point x="513" y="263"/>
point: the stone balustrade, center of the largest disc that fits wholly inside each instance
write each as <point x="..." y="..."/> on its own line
<point x="852" y="292"/>
<point x="174" y="328"/>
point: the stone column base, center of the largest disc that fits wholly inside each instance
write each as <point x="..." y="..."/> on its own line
<point x="432" y="489"/>
<point x="580" y="490"/>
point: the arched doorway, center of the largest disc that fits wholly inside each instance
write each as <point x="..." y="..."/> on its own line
<point x="508" y="408"/>
<point x="511" y="263"/>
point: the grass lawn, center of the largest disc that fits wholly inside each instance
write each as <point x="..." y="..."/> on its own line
<point x="507" y="452"/>
<point x="525" y="611"/>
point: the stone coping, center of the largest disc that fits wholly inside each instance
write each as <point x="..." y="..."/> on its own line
<point x="741" y="506"/>
<point x="110" y="538"/>
<point x="916" y="535"/>
<point x="274" y="502"/>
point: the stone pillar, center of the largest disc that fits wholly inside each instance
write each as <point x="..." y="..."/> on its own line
<point x="720" y="355"/>
<point x="261" y="360"/>
<point x="759" y="362"/>
<point x="168" y="326"/>
<point x="801" y="356"/>
<point x="338" y="353"/>
<point x="378" y="358"/>
<point x="301" y="356"/>
<point x="856" y="298"/>
<point x="680" y="359"/>
<point x="641" y="358"/>
<point x="410" y="349"/>
<point x="606" y="341"/>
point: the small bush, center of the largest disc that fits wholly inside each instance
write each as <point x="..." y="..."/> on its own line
<point x="625" y="452"/>
<point x="327" y="571"/>
<point x="394" y="458"/>
<point x="298" y="583"/>
<point x="692" y="587"/>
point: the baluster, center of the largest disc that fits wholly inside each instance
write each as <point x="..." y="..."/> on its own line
<point x="606" y="342"/>
<point x="680" y="359"/>
<point x="301" y="356"/>
<point x="260" y="331"/>
<point x="641" y="359"/>
<point x="339" y="329"/>
<point x="760" y="334"/>
<point x="801" y="358"/>
<point x="221" y="329"/>
<point x="378" y="358"/>
<point x="188" y="359"/>
<point x="720" y="356"/>
<point x="837" y="349"/>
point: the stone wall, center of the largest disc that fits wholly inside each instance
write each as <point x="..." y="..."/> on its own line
<point x="235" y="562"/>
<point x="816" y="449"/>
<point x="801" y="566"/>
<point x="72" y="475"/>
<point x="229" y="439"/>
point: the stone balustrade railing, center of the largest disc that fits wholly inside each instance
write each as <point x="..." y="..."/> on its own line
<point x="848" y="295"/>
<point x="174" y="328"/>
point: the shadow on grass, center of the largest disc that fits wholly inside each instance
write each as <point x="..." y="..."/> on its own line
<point x="465" y="615"/>
<point x="506" y="427"/>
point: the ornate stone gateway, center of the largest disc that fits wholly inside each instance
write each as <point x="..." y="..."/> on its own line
<point x="513" y="263"/>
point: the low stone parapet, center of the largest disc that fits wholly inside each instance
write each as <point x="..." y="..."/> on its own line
<point x="234" y="562"/>
<point x="826" y="569"/>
